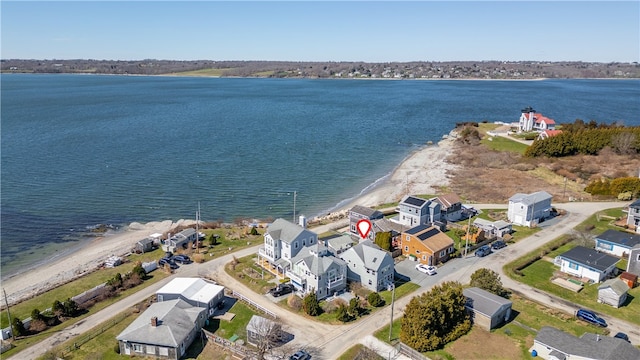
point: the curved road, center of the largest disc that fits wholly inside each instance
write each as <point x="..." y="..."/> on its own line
<point x="329" y="341"/>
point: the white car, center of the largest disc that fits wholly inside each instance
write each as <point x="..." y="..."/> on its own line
<point x="427" y="269"/>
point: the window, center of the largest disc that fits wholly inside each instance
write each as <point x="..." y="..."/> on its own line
<point x="424" y="257"/>
<point x="137" y="348"/>
<point x="151" y="349"/>
<point x="417" y="251"/>
<point x="163" y="351"/>
<point x="370" y="283"/>
<point x="605" y="246"/>
<point x="407" y="238"/>
<point x="638" y="257"/>
<point x="443" y="253"/>
<point x="406" y="248"/>
<point x="573" y="265"/>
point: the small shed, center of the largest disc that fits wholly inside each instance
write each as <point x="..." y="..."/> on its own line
<point x="629" y="278"/>
<point x="144" y="245"/>
<point x="488" y="310"/>
<point x="258" y="328"/>
<point x="613" y="292"/>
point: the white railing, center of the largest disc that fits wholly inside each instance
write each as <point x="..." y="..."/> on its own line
<point x="254" y="304"/>
<point x="337" y="281"/>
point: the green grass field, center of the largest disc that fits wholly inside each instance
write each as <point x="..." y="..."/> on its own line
<point x="500" y="143"/>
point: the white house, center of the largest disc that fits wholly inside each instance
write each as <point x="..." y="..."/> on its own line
<point x="530" y="121"/>
<point x="618" y="243"/>
<point x="283" y="240"/>
<point x="587" y="263"/>
<point x="195" y="291"/>
<point x="529" y="209"/>
<point x="369" y="265"/>
<point x="181" y="240"/>
<point x="633" y="264"/>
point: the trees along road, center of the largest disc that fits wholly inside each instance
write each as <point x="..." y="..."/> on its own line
<point x="326" y="341"/>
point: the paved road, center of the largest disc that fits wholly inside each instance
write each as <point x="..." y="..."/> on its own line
<point x="329" y="341"/>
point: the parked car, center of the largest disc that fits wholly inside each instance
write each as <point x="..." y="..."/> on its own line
<point x="591" y="317"/>
<point x="184" y="259"/>
<point x="483" y="251"/>
<point x="164" y="261"/>
<point x="281" y="289"/>
<point x="427" y="269"/>
<point x="622" y="336"/>
<point x="300" y="355"/>
<point x="498" y="244"/>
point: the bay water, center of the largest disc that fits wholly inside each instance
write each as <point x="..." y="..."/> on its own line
<point x="81" y="150"/>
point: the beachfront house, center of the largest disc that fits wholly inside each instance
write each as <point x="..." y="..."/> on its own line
<point x="358" y="213"/>
<point x="164" y="331"/>
<point x="283" y="241"/>
<point x="553" y="344"/>
<point x="181" y="240"/>
<point x="618" y="243"/>
<point x="195" y="291"/>
<point x="529" y="209"/>
<point x="587" y="264"/>
<point x="633" y="216"/>
<point x="315" y="269"/>
<point x="450" y="207"/>
<point x="369" y="265"/>
<point x="337" y="244"/>
<point x="414" y="211"/>
<point x="532" y="121"/>
<point x="426" y="244"/>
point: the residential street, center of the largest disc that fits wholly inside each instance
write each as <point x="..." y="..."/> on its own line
<point x="329" y="341"/>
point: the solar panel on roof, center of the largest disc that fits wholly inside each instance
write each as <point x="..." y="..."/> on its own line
<point x="415" y="201"/>
<point x="416" y="229"/>
<point x="428" y="234"/>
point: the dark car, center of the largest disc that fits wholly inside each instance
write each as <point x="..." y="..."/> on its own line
<point x="164" y="261"/>
<point x="499" y="244"/>
<point x="184" y="259"/>
<point x="483" y="250"/>
<point x="591" y="317"/>
<point x="300" y="355"/>
<point x="622" y="336"/>
<point x="281" y="289"/>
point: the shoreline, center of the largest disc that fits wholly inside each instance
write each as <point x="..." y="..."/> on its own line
<point x="421" y="172"/>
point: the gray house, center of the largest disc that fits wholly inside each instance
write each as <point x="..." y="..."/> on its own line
<point x="529" y="209"/>
<point x="450" y="207"/>
<point x="553" y="344"/>
<point x="414" y="211"/>
<point x="493" y="229"/>
<point x="633" y="216"/>
<point x="369" y="265"/>
<point x="165" y="330"/>
<point x="488" y="310"/>
<point x="316" y="270"/>
<point x="181" y="240"/>
<point x="613" y="292"/>
<point x="633" y="266"/>
<point x="358" y="213"/>
<point x="195" y="291"/>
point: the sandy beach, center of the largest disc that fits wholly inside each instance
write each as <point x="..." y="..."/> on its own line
<point x="420" y="173"/>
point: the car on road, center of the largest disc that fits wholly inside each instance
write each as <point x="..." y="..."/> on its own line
<point x="590" y="317"/>
<point x="184" y="259"/>
<point x="300" y="355"/>
<point x="622" y="336"/>
<point x="498" y="244"/>
<point x="483" y="251"/>
<point x="427" y="269"/>
<point x="281" y="289"/>
<point x="168" y="261"/>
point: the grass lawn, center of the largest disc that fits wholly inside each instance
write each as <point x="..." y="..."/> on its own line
<point x="500" y="143"/>
<point x="237" y="326"/>
<point x="510" y="341"/>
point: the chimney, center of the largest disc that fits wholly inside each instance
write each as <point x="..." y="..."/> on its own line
<point x="154" y="321"/>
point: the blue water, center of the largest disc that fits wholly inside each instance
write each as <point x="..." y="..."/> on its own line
<point x="79" y="150"/>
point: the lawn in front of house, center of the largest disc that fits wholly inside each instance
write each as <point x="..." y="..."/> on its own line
<point x="500" y="143"/>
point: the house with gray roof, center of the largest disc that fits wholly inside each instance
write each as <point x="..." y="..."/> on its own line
<point x="414" y="211"/>
<point x="488" y="310"/>
<point x="587" y="263"/>
<point x="369" y="265"/>
<point x="493" y="229"/>
<point x="358" y="213"/>
<point x="529" y="209"/>
<point x="450" y="207"/>
<point x="283" y="241"/>
<point x="618" y="243"/>
<point x="338" y="244"/>
<point x="553" y="344"/>
<point x="315" y="269"/>
<point x="181" y="240"/>
<point x="633" y="216"/>
<point x="613" y="292"/>
<point x="261" y="330"/>
<point x="165" y="330"/>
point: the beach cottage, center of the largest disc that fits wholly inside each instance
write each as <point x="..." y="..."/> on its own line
<point x="587" y="263"/>
<point x="529" y="209"/>
<point x="618" y="243"/>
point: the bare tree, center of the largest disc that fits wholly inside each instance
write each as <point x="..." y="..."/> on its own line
<point x="625" y="143"/>
<point x="264" y="334"/>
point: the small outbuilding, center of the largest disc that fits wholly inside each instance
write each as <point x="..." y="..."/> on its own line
<point x="488" y="310"/>
<point x="629" y="278"/>
<point x="613" y="292"/>
<point x="263" y="331"/>
<point x="145" y="245"/>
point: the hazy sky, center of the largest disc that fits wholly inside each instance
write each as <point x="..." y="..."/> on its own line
<point x="593" y="31"/>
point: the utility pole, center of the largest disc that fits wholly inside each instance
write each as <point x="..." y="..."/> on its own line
<point x="13" y="336"/>
<point x="466" y="246"/>
<point x="564" y="193"/>
<point x="393" y="297"/>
